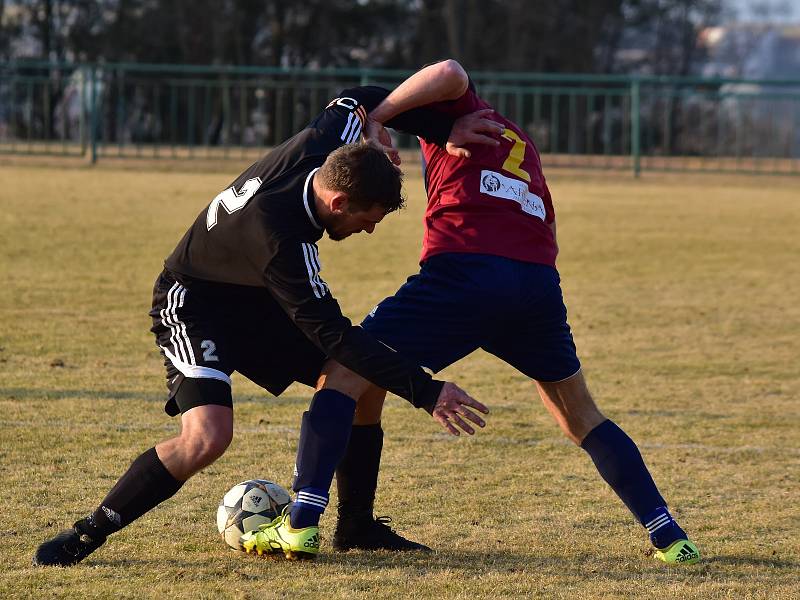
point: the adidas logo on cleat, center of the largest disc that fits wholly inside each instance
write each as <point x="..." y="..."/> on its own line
<point x="686" y="554"/>
<point x="312" y="542"/>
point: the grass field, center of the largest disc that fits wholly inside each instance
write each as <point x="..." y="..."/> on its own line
<point x="683" y="296"/>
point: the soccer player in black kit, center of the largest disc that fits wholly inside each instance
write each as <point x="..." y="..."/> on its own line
<point x="242" y="292"/>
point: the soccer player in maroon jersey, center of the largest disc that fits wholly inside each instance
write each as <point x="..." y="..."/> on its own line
<point x="488" y="280"/>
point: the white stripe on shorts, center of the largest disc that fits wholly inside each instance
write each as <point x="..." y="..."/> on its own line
<point x="166" y="319"/>
<point x="195" y="372"/>
<point x="187" y="342"/>
<point x="181" y="343"/>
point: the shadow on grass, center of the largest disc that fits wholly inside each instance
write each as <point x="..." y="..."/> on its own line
<point x="19" y="393"/>
<point x="510" y="562"/>
<point x="31" y="393"/>
<point x="472" y="563"/>
<point x="137" y="563"/>
<point x="751" y="561"/>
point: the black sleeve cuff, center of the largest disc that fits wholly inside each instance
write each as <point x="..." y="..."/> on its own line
<point x="431" y="126"/>
<point x="439" y="131"/>
<point x="430" y="394"/>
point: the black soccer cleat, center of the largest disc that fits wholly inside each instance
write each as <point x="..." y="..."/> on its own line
<point x="365" y="532"/>
<point x="67" y="548"/>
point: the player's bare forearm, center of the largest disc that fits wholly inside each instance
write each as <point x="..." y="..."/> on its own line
<point x="444" y="80"/>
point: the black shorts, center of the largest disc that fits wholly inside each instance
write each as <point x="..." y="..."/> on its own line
<point x="207" y="331"/>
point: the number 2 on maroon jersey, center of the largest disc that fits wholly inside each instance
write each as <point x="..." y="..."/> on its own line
<point x="515" y="156"/>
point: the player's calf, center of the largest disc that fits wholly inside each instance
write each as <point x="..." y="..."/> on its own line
<point x="324" y="433"/>
<point x="146" y="484"/>
<point x="620" y="464"/>
<point x="571" y="405"/>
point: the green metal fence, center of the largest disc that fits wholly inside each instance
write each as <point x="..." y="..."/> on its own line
<point x="610" y="122"/>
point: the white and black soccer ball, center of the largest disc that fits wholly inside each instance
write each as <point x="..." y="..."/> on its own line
<point x="246" y="506"/>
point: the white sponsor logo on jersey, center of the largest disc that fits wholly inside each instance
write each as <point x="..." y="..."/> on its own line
<point x="500" y="186"/>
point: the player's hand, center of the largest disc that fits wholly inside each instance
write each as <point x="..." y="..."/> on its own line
<point x="376" y="133"/>
<point x="470" y="129"/>
<point x="453" y="408"/>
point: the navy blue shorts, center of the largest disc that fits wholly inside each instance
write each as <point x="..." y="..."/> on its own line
<point x="461" y="302"/>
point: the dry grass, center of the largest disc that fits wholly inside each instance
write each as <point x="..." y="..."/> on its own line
<point x="683" y="296"/>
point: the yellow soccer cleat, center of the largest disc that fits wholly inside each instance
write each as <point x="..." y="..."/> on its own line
<point x="681" y="552"/>
<point x="280" y="536"/>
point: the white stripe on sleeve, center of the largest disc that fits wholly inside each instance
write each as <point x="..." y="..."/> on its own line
<point x="311" y="267"/>
<point x="354" y="135"/>
<point x="318" y="265"/>
<point x="347" y="127"/>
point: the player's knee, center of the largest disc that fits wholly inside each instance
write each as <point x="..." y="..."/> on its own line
<point x="206" y="446"/>
<point x="336" y="377"/>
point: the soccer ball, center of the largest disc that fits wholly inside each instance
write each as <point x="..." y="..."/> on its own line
<point x="246" y="506"/>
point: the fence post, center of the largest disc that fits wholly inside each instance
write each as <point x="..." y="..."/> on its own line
<point x="82" y="111"/>
<point x="93" y="111"/>
<point x="636" y="148"/>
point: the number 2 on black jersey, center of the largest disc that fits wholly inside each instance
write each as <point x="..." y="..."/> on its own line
<point x="231" y="200"/>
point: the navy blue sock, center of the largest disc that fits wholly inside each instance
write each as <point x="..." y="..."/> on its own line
<point x="324" y="434"/>
<point x="620" y="464"/>
<point x="662" y="528"/>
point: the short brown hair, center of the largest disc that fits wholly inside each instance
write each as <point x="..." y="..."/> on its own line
<point x="366" y="175"/>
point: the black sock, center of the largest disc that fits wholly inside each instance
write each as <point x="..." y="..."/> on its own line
<point x="619" y="462"/>
<point x="145" y="485"/>
<point x="324" y="434"/>
<point x="357" y="473"/>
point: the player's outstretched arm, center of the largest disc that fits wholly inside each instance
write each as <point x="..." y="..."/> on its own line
<point x="439" y="82"/>
<point x="454" y="407"/>
<point x="442" y="81"/>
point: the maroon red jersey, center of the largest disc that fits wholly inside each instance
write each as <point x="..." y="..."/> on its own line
<point x="495" y="202"/>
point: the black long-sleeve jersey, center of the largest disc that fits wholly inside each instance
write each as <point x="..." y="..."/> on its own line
<point x="262" y="231"/>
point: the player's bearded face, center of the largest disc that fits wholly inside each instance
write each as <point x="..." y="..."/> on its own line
<point x="344" y="224"/>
